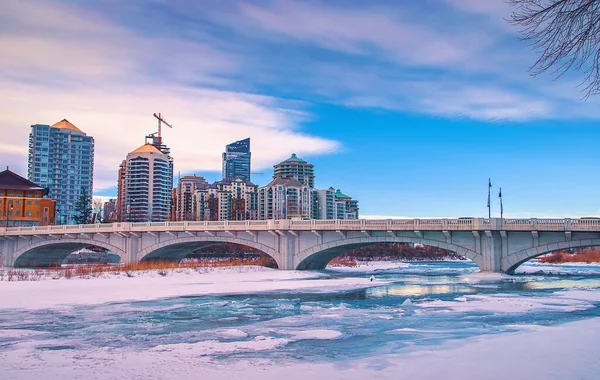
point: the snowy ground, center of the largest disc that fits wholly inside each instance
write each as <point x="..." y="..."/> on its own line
<point x="564" y="352"/>
<point x="415" y="321"/>
<point x="177" y="283"/>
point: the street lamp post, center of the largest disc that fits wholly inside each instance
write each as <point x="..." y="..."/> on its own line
<point x="8" y="212"/>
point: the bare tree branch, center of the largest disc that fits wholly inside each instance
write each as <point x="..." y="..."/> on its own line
<point x="566" y="35"/>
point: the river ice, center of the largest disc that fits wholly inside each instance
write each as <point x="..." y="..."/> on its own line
<point x="417" y="321"/>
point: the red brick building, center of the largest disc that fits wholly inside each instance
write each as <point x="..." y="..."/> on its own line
<point x="22" y="202"/>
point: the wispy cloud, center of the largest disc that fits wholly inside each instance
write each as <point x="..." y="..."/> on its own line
<point x="221" y="71"/>
<point x="442" y="59"/>
<point x="108" y="80"/>
<point x="378" y="32"/>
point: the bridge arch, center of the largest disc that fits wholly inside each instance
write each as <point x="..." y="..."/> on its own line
<point x="319" y="256"/>
<point x="53" y="252"/>
<point x="511" y="262"/>
<point x="177" y="249"/>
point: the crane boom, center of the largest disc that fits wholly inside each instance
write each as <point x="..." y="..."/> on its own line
<point x="160" y="122"/>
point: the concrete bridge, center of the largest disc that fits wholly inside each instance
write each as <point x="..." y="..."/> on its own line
<point x="495" y="245"/>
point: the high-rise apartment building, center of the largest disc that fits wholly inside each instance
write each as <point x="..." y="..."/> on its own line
<point x="109" y="212"/>
<point x="325" y="200"/>
<point x="237" y="160"/>
<point x="285" y="198"/>
<point x="121" y="203"/>
<point x="345" y="207"/>
<point x="297" y="168"/>
<point x="61" y="158"/>
<point x="229" y="199"/>
<point x="291" y="195"/>
<point x="147" y="183"/>
<point x="184" y="205"/>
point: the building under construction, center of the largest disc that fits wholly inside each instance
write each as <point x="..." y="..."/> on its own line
<point x="146" y="181"/>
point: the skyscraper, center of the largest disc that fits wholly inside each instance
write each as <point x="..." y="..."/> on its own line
<point x="285" y="198"/>
<point x="109" y="213"/>
<point x="229" y="199"/>
<point x="236" y="160"/>
<point x="186" y="188"/>
<point x="61" y="158"/>
<point x="297" y="168"/>
<point x="146" y="185"/>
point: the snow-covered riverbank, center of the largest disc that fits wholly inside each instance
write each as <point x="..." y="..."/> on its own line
<point x="181" y="282"/>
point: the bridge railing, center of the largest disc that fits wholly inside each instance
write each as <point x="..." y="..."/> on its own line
<point x="466" y="224"/>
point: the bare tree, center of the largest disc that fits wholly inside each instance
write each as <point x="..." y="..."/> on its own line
<point x="97" y="205"/>
<point x="566" y="34"/>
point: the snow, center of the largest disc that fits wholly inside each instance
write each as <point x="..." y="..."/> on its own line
<point x="486" y="276"/>
<point x="370" y="267"/>
<point x="509" y="303"/>
<point x="318" y="335"/>
<point x="232" y="333"/>
<point x="213" y="347"/>
<point x="535" y="268"/>
<point x="560" y="352"/>
<point x="149" y="285"/>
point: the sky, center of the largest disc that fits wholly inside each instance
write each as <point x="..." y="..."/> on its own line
<point x="407" y="106"/>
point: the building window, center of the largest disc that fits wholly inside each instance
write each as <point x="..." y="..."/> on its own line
<point x="28" y="202"/>
<point x="28" y="213"/>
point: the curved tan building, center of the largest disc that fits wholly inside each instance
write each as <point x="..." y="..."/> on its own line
<point x="146" y="181"/>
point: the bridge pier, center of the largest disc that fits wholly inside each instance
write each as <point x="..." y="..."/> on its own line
<point x="491" y="249"/>
<point x="288" y="243"/>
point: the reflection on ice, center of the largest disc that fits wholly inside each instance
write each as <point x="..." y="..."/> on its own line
<point x="417" y="290"/>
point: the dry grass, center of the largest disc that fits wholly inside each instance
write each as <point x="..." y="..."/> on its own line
<point x="343" y="262"/>
<point x="589" y="256"/>
<point x="163" y="268"/>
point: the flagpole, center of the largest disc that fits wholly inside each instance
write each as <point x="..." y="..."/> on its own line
<point x="489" y="195"/>
<point x="501" y="205"/>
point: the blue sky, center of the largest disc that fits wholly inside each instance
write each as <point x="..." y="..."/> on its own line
<point x="407" y="106"/>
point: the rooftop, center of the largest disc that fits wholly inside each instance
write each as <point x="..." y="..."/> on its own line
<point x="230" y="180"/>
<point x="292" y="160"/>
<point x="66" y="124"/>
<point x="12" y="181"/>
<point x="286" y="181"/>
<point x="339" y="194"/>
<point x="147" y="148"/>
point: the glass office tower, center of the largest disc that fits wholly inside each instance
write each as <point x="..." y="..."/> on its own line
<point x="236" y="160"/>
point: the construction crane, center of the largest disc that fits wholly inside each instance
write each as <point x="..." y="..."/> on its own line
<point x="160" y="122"/>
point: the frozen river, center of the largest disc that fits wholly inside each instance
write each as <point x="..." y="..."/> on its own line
<point x="422" y="310"/>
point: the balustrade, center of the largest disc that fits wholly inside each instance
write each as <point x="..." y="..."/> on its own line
<point x="466" y="224"/>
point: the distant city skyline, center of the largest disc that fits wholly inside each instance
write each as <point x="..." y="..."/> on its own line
<point x="409" y="114"/>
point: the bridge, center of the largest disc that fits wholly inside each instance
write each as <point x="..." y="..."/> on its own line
<point x="495" y="245"/>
